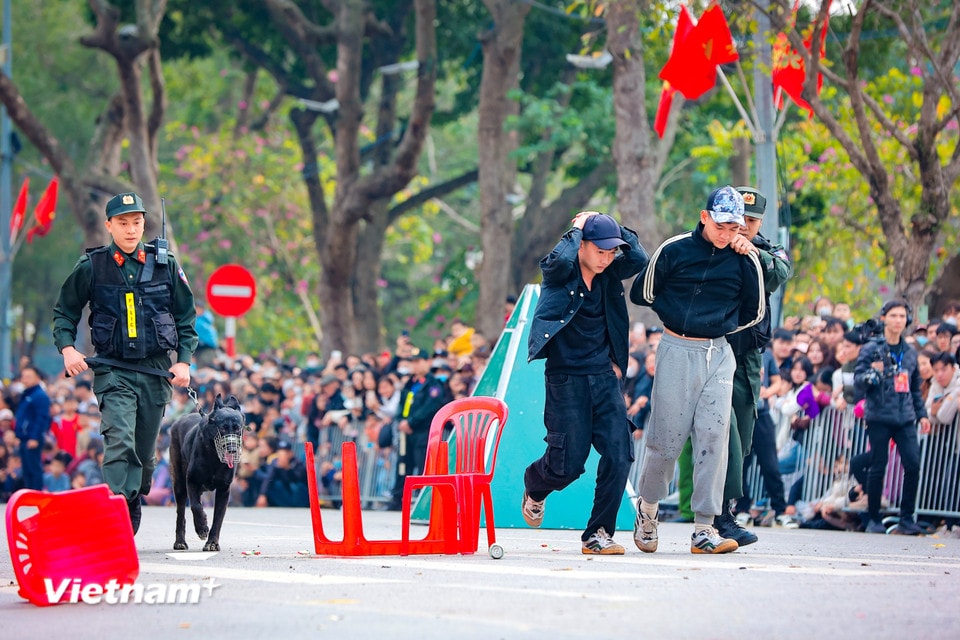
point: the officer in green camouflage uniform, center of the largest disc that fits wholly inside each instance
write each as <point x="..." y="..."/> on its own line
<point x="141" y="311"/>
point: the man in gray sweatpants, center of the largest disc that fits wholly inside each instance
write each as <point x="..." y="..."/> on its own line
<point x="685" y="365"/>
<point x="704" y="284"/>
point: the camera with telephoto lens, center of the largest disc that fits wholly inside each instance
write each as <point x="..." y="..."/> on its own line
<point x="872" y="330"/>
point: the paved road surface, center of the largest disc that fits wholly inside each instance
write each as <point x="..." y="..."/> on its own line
<point x="792" y="584"/>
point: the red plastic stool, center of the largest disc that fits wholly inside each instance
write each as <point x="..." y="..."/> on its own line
<point x="82" y="536"/>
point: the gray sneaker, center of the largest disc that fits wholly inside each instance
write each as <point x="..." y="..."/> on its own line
<point x="532" y="510"/>
<point x="600" y="543"/>
<point x="645" y="531"/>
<point x="709" y="541"/>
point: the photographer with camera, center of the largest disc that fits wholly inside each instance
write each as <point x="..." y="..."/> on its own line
<point x="886" y="375"/>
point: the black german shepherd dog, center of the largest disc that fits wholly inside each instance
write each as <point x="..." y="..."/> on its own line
<point x="204" y="455"/>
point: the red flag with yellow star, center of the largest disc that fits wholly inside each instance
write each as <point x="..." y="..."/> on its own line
<point x="46" y="211"/>
<point x="692" y="66"/>
<point x="19" y="209"/>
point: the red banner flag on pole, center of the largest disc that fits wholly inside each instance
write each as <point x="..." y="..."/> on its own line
<point x="684" y="26"/>
<point x="692" y="66"/>
<point x="789" y="68"/>
<point x="663" y="109"/>
<point x="19" y="209"/>
<point x="45" y="212"/>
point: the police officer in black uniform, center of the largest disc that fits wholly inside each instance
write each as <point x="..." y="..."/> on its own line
<point x="141" y="311"/>
<point x="420" y="399"/>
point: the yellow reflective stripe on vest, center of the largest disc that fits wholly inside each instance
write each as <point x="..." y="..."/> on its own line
<point x="131" y="316"/>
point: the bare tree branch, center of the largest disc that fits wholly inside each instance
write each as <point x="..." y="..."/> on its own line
<point x="433" y="191"/>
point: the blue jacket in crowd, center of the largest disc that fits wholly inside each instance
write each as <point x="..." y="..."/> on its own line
<point x="33" y="414"/>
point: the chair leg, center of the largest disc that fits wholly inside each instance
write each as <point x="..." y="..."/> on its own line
<point x="350" y="483"/>
<point x="320" y="540"/>
<point x="487" y="501"/>
<point x="405" y="520"/>
<point x="469" y="516"/>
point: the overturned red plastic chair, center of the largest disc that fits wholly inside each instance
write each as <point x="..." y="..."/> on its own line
<point x="74" y="538"/>
<point x="354" y="542"/>
<point x="477" y="424"/>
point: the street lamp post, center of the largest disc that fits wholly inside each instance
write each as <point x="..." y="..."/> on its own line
<point x="766" y="152"/>
<point x="6" y="205"/>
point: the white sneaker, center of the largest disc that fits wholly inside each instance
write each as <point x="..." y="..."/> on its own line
<point x="600" y="543"/>
<point x="645" y="531"/>
<point x="532" y="510"/>
<point x="709" y="541"/>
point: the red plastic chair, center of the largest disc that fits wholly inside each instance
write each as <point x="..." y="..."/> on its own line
<point x="51" y="537"/>
<point x="354" y="542"/>
<point x="477" y="425"/>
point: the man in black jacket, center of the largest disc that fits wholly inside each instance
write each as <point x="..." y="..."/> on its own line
<point x="703" y="290"/>
<point x="580" y="326"/>
<point x="887" y="375"/>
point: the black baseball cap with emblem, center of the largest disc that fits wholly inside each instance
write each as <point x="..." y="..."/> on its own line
<point x="754" y="203"/>
<point x="125" y="203"/>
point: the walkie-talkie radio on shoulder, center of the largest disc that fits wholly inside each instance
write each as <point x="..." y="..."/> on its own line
<point x="160" y="242"/>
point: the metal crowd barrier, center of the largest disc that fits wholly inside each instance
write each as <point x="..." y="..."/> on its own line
<point x="839" y="435"/>
<point x="376" y="467"/>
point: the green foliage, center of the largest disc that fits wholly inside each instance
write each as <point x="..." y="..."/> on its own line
<point x="585" y="124"/>
<point x="426" y="278"/>
<point x="240" y="199"/>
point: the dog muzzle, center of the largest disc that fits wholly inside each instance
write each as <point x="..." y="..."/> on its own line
<point x="229" y="446"/>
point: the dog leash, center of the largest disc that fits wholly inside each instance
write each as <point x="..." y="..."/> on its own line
<point x="196" y="401"/>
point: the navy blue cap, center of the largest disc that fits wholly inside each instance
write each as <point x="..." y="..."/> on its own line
<point x="603" y="231"/>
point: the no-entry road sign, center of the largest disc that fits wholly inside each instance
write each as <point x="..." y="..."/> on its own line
<point x="231" y="290"/>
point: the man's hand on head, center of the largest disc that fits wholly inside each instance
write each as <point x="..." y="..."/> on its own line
<point x="581" y="218"/>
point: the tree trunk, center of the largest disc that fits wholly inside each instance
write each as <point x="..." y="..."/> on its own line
<point x="637" y="168"/>
<point x="501" y="64"/>
<point x="357" y="196"/>
<point x="365" y="290"/>
<point x="740" y="161"/>
<point x="339" y="246"/>
<point x="946" y="288"/>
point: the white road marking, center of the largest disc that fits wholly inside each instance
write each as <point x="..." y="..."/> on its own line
<point x="253" y="575"/>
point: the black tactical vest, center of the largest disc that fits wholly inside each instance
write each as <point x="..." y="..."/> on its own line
<point x="131" y="320"/>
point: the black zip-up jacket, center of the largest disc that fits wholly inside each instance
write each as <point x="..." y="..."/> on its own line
<point x="561" y="295"/>
<point x="884" y="405"/>
<point x="700" y="291"/>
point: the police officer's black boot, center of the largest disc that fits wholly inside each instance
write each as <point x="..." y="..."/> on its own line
<point x="728" y="527"/>
<point x="134" y="507"/>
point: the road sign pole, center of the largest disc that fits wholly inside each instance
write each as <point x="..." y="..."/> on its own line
<point x="230" y="334"/>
